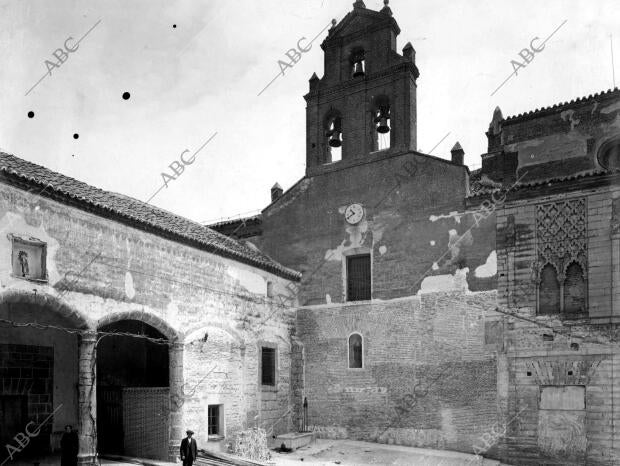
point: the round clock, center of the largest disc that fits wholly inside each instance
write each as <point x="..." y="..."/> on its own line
<point x="354" y="213"/>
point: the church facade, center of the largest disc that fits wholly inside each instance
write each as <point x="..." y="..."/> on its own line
<point x="445" y="308"/>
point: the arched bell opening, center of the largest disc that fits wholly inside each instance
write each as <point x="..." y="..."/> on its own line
<point x="357" y="60"/>
<point x="381" y="126"/>
<point x="333" y="135"/>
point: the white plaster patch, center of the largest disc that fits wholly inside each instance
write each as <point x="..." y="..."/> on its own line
<point x="455" y="241"/>
<point x="382" y="250"/>
<point x="489" y="268"/>
<point x="569" y="115"/>
<point x="171" y="313"/>
<point x="432" y="242"/>
<point x="454" y="214"/>
<point x="356" y="239"/>
<point x="447" y="425"/>
<point x="435" y="266"/>
<point x="251" y="281"/>
<point x="447" y="282"/>
<point x="130" y="292"/>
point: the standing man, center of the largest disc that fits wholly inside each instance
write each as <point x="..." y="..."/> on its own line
<point x="189" y="449"/>
<point x="69" y="446"/>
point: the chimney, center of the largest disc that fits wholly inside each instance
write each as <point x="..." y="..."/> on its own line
<point x="276" y="192"/>
<point x="409" y="52"/>
<point x="458" y="154"/>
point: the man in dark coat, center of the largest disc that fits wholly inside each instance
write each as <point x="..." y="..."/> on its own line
<point x="69" y="446"/>
<point x="189" y="449"/>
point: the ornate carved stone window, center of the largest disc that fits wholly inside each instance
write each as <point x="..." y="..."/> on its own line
<point x="28" y="256"/>
<point x="561" y="242"/>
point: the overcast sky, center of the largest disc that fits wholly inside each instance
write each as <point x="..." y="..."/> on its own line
<point x="202" y="77"/>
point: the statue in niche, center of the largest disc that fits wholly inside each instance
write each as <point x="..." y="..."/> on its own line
<point x="22" y="257"/>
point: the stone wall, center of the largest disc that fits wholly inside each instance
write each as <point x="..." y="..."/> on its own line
<point x="559" y="372"/>
<point x="102" y="271"/>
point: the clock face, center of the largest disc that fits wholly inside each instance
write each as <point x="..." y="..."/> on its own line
<point x="354" y="213"/>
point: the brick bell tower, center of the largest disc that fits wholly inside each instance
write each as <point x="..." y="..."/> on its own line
<point x="366" y="101"/>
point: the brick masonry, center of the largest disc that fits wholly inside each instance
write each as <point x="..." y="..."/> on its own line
<point x="427" y="379"/>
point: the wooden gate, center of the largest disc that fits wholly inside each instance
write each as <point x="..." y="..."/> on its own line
<point x="146" y="413"/>
<point x="110" y="420"/>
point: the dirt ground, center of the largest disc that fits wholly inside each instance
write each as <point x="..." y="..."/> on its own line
<point x="349" y="452"/>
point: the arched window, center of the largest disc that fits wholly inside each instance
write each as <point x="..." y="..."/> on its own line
<point x="549" y="291"/>
<point x="358" y="63"/>
<point x="609" y="155"/>
<point x="333" y="135"/>
<point x="574" y="289"/>
<point x="355" y="351"/>
<point x="381" y="125"/>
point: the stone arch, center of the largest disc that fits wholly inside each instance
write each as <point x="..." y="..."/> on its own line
<point x="148" y="318"/>
<point x="199" y="332"/>
<point x="49" y="302"/>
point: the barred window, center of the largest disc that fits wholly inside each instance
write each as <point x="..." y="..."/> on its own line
<point x="214" y="420"/>
<point x="358" y="278"/>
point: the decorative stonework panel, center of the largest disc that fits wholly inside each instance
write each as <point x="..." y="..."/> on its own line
<point x="561" y="232"/>
<point x="561" y="253"/>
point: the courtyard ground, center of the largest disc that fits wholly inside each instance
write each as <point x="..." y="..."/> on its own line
<point x="350" y="452"/>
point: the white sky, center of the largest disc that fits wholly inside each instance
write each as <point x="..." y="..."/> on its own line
<point x="203" y="76"/>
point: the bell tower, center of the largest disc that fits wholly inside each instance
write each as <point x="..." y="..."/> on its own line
<point x="365" y="103"/>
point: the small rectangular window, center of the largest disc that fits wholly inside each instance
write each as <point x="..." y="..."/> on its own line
<point x="358" y="278"/>
<point x="214" y="420"/>
<point x="268" y="366"/>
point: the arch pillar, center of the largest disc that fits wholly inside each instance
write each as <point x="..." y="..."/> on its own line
<point x="87" y="399"/>
<point x="177" y="399"/>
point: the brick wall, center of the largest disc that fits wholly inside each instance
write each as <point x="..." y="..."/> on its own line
<point x="412" y="225"/>
<point x="427" y="380"/>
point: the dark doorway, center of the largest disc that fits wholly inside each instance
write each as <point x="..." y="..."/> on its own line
<point x="132" y="391"/>
<point x="14" y="416"/>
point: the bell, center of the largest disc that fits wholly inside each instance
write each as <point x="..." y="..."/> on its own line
<point x="358" y="69"/>
<point x="334" y="139"/>
<point x="383" y="126"/>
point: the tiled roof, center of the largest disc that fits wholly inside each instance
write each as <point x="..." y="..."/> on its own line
<point x="235" y="221"/>
<point x="138" y="213"/>
<point x="482" y="190"/>
<point x="480" y="183"/>
<point x="561" y="106"/>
